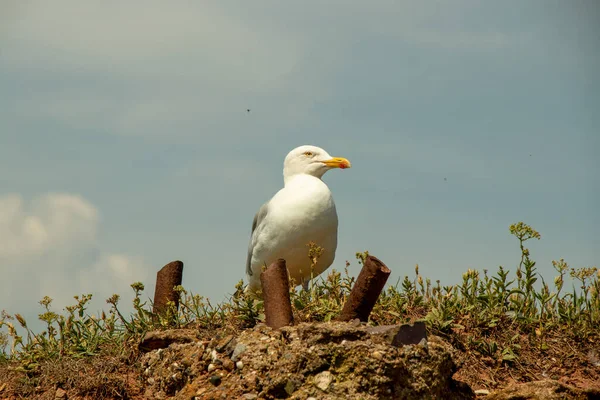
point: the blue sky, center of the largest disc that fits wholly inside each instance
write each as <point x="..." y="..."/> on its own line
<point x="125" y="141"/>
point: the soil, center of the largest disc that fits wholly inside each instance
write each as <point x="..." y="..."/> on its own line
<point x="334" y="360"/>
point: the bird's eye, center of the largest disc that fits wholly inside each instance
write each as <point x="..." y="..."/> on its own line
<point x="308" y="153"/>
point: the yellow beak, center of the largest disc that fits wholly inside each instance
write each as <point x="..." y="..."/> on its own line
<point x="337" y="162"/>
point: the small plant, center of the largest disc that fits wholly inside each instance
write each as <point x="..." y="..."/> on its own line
<point x="508" y="321"/>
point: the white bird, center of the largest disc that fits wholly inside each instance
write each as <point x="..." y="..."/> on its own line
<point x="301" y="212"/>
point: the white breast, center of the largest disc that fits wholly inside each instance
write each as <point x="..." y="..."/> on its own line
<point x="301" y="212"/>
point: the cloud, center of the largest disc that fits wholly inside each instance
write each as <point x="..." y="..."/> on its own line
<point x="52" y="222"/>
<point x="49" y="247"/>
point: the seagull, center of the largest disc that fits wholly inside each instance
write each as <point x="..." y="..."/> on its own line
<point x="302" y="212"/>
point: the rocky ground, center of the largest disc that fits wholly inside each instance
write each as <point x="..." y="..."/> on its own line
<point x="308" y="361"/>
<point x="320" y="361"/>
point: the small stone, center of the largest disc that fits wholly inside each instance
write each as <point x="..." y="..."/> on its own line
<point x="230" y="346"/>
<point x="482" y="392"/>
<point x="228" y="364"/>
<point x="239" y="365"/>
<point x="150" y="381"/>
<point x="290" y="387"/>
<point x="323" y="380"/>
<point x="311" y="398"/>
<point x="215" y="380"/>
<point x="237" y="351"/>
<point x="223" y="343"/>
<point x="378" y="355"/>
<point x="214" y="355"/>
<point x="249" y="396"/>
<point x="211" y="367"/>
<point x="60" y="394"/>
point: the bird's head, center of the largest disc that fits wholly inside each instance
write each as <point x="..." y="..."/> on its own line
<point x="311" y="160"/>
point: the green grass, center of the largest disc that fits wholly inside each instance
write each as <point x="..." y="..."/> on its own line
<point x="509" y="320"/>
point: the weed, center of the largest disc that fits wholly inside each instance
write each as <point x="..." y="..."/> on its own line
<point x="510" y="321"/>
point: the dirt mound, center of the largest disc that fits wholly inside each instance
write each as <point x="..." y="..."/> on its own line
<point x="317" y="360"/>
<point x="307" y="361"/>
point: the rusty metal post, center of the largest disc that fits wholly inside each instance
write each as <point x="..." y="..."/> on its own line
<point x="366" y="290"/>
<point x="276" y="294"/>
<point x="166" y="279"/>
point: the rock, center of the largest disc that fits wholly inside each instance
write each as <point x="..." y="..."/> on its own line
<point x="482" y="392"/>
<point x="60" y="394"/>
<point x="290" y="387"/>
<point x="238" y="351"/>
<point x="410" y="334"/>
<point x="230" y="347"/>
<point x="161" y="339"/>
<point x="323" y="380"/>
<point x="224" y="343"/>
<point x="335" y="359"/>
<point x="211" y="367"/>
<point x="228" y="364"/>
<point x="400" y="335"/>
<point x="543" y="390"/>
<point x="215" y="380"/>
<point x="249" y="396"/>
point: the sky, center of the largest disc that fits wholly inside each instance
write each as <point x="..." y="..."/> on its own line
<point x="125" y="140"/>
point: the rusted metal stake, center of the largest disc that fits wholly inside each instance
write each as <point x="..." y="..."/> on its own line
<point x="276" y="294"/>
<point x="366" y="290"/>
<point x="166" y="279"/>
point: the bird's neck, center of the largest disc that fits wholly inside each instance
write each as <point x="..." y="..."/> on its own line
<point x="300" y="179"/>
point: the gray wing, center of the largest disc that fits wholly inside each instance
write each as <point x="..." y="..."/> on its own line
<point x="258" y="218"/>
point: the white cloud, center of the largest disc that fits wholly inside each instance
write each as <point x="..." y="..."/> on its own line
<point x="116" y="272"/>
<point x="50" y="247"/>
<point x="51" y="222"/>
